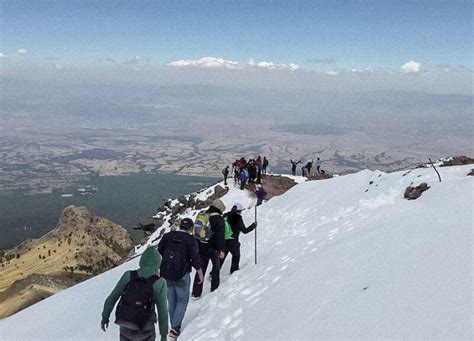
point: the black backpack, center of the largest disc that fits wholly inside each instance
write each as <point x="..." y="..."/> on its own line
<point x="136" y="303"/>
<point x="174" y="262"/>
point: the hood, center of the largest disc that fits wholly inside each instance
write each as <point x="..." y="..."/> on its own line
<point x="149" y="262"/>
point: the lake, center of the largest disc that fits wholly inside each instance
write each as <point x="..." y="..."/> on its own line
<point x="125" y="200"/>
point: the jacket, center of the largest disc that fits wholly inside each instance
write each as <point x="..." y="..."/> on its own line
<point x="237" y="224"/>
<point x="190" y="247"/>
<point x="217" y="224"/>
<point x="149" y="264"/>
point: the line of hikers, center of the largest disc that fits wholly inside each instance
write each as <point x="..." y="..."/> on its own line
<point x="306" y="169"/>
<point x="209" y="238"/>
<point x="246" y="171"/>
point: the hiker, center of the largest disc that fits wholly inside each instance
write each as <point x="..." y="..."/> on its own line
<point x="265" y="165"/>
<point x="212" y="249"/>
<point x="308" y="167"/>
<point x="259" y="165"/>
<point x="318" y="164"/>
<point x="179" y="250"/>
<point x="235" y="225"/>
<point x="236" y="169"/>
<point x="261" y="194"/>
<point x="225" y="172"/>
<point x="137" y="322"/>
<point x="293" y="166"/>
<point x="252" y="170"/>
<point x="244" y="175"/>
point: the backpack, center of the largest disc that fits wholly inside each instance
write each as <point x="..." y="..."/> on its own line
<point x="228" y="230"/>
<point x="173" y="263"/>
<point x="202" y="229"/>
<point x="136" y="303"/>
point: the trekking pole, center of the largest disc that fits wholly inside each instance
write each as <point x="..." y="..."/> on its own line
<point x="255" y="234"/>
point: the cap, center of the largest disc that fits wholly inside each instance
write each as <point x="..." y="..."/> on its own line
<point x="217" y="203"/>
<point x="238" y="206"/>
<point x="186" y="224"/>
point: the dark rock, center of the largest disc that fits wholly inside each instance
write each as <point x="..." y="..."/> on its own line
<point x="471" y="173"/>
<point x="458" y="161"/>
<point x="412" y="193"/>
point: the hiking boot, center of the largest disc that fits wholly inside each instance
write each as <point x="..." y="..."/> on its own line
<point x="173" y="334"/>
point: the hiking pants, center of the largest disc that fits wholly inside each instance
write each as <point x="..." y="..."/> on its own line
<point x="178" y="298"/>
<point x="127" y="334"/>
<point x="232" y="246"/>
<point x="207" y="254"/>
<point x="225" y="180"/>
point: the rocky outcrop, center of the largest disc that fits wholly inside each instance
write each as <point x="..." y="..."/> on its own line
<point x="80" y="246"/>
<point x="274" y="185"/>
<point x="173" y="208"/>
<point x="457" y="161"/>
<point x="412" y="193"/>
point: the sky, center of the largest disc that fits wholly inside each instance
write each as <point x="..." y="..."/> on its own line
<point x="344" y="258"/>
<point x="295" y="43"/>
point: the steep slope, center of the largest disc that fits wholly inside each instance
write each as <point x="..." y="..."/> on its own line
<point x="80" y="246"/>
<point x="347" y="257"/>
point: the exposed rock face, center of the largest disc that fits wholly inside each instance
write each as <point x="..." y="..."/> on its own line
<point x="471" y="173"/>
<point x="273" y="185"/>
<point x="183" y="203"/>
<point x="412" y="193"/>
<point x="457" y="161"/>
<point x="80" y="246"/>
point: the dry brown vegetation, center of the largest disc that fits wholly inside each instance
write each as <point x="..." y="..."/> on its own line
<point x="80" y="246"/>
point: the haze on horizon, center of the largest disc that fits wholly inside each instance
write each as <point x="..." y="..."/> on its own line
<point x="344" y="76"/>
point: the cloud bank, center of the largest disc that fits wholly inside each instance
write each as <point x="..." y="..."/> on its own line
<point x="206" y="62"/>
<point x="221" y="63"/>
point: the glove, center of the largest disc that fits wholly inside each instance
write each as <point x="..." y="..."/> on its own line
<point x="104" y="325"/>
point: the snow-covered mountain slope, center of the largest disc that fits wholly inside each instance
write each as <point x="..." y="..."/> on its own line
<point x="347" y="257"/>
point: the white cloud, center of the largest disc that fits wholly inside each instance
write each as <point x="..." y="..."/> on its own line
<point x="3" y="55"/>
<point x="22" y="51"/>
<point x="273" y="66"/>
<point x="332" y="73"/>
<point x="58" y="66"/>
<point x="221" y="63"/>
<point x="207" y="62"/>
<point x="410" y="67"/>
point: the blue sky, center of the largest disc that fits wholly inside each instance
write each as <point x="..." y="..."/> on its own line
<point x="347" y="41"/>
<point x="312" y="34"/>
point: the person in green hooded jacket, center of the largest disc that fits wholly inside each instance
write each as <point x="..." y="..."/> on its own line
<point x="149" y="264"/>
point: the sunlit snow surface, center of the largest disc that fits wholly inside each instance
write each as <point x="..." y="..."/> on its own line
<point x="339" y="258"/>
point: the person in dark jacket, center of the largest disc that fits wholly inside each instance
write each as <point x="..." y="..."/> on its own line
<point x="293" y="166"/>
<point x="232" y="244"/>
<point x="149" y="264"/>
<point x="225" y="172"/>
<point x="260" y="193"/>
<point x="265" y="165"/>
<point x="213" y="250"/>
<point x="178" y="290"/>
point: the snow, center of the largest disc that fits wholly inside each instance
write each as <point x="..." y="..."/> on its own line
<point x="338" y="258"/>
